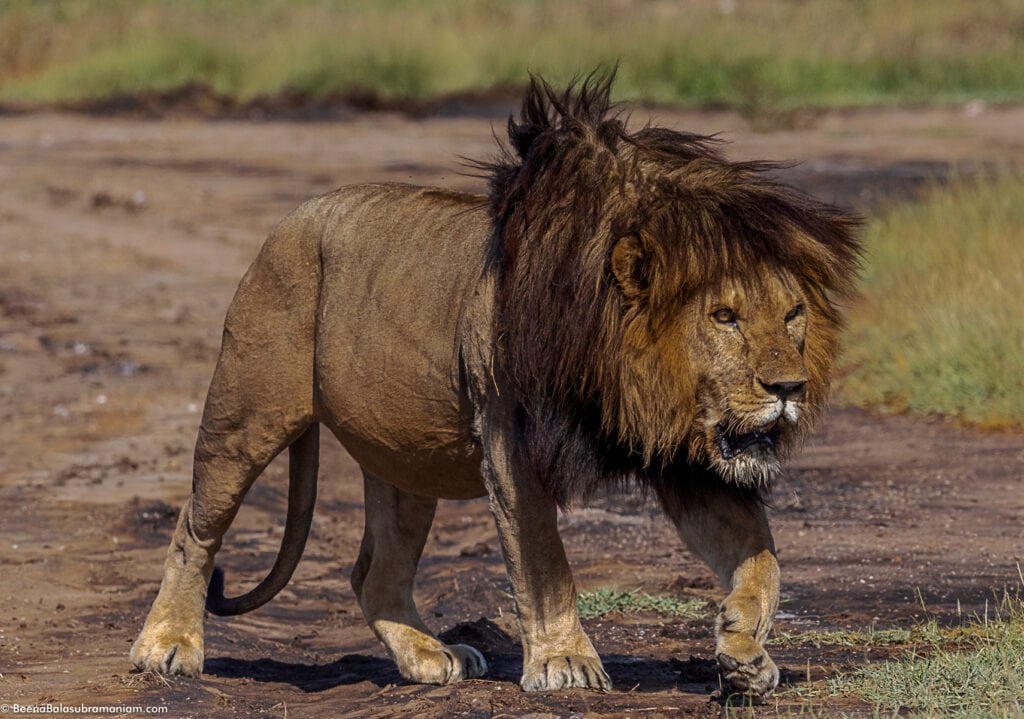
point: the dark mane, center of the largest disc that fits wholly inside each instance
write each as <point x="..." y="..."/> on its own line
<point x="597" y="402"/>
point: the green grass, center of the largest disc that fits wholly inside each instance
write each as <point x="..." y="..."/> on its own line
<point x="940" y="327"/>
<point x="598" y="602"/>
<point x="759" y="56"/>
<point x="847" y="638"/>
<point x="970" y="670"/>
<point x="976" y="670"/>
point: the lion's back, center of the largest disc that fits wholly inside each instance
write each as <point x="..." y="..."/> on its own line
<point x="399" y="264"/>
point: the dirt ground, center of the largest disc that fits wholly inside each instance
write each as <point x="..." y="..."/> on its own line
<point x="121" y="242"/>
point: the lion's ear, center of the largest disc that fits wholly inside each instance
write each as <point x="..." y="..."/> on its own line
<point x="629" y="267"/>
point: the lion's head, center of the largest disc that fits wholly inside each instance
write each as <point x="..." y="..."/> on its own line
<point x="661" y="308"/>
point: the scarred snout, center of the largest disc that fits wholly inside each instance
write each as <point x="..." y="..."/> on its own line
<point x="786" y="390"/>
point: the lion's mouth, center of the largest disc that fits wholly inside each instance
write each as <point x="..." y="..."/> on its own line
<point x="732" y="444"/>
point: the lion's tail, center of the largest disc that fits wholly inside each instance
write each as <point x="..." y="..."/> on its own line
<point x="303" y="464"/>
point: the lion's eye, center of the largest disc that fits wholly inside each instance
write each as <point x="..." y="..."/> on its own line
<point x="724" y="316"/>
<point x="794" y="313"/>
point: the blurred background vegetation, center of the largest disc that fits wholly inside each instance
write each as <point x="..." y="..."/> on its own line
<point x="776" y="54"/>
<point x="939" y="327"/>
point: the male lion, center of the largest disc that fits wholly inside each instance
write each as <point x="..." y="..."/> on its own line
<point x="621" y="308"/>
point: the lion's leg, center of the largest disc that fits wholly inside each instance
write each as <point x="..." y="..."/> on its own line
<point x="556" y="652"/>
<point x="397" y="525"/>
<point x="260" y="399"/>
<point x="727" y="527"/>
<point x="171" y="641"/>
<point x="226" y="464"/>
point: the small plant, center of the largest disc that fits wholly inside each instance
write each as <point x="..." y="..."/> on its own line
<point x="601" y="601"/>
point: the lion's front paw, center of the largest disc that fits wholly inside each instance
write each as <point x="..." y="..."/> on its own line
<point x="165" y="651"/>
<point x="448" y="664"/>
<point x="565" y="672"/>
<point x="747" y="667"/>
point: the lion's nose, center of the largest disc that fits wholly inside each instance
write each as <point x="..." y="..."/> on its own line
<point x="786" y="390"/>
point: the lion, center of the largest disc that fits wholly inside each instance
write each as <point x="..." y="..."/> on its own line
<point x="621" y="309"/>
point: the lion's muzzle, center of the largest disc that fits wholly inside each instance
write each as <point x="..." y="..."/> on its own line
<point x="732" y="444"/>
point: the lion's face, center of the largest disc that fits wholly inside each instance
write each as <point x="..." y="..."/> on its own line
<point x="746" y="353"/>
<point x="731" y="372"/>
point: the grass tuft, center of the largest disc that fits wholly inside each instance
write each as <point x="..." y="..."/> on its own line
<point x="604" y="600"/>
<point x="940" y="327"/>
<point x="846" y="638"/>
<point x="973" y="671"/>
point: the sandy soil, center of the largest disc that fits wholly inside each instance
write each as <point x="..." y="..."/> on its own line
<point x="121" y="242"/>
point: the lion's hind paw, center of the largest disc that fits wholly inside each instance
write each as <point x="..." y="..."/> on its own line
<point x="442" y="664"/>
<point x="565" y="672"/>
<point x="159" y="652"/>
<point x="472" y="661"/>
